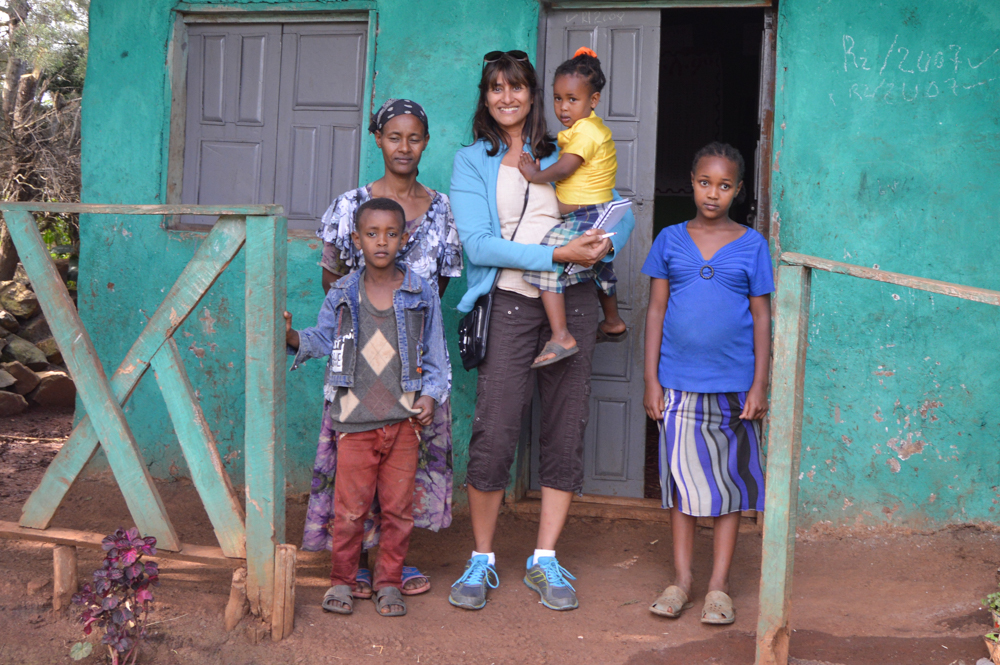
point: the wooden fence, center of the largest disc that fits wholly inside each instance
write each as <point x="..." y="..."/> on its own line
<point x="250" y="536"/>
<point x="791" y="331"/>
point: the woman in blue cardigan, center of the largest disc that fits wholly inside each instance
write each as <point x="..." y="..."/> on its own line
<point x="491" y="200"/>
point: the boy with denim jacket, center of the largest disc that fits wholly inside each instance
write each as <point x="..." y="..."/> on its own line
<point x="388" y="367"/>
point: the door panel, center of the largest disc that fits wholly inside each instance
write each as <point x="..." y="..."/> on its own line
<point x="274" y="115"/>
<point x="230" y="132"/>
<point x="320" y="117"/>
<point x="614" y="443"/>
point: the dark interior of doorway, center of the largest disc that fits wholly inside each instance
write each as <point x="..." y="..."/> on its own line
<point x="709" y="87"/>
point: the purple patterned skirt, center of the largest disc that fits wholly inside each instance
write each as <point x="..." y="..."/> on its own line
<point x="431" y="496"/>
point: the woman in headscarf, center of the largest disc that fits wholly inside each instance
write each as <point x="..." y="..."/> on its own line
<point x="433" y="251"/>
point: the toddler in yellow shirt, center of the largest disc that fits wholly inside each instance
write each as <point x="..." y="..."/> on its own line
<point x="585" y="177"/>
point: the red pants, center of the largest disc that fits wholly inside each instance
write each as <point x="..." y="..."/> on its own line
<point x="382" y="459"/>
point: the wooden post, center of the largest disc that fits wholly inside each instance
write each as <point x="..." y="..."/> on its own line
<point x="237" y="606"/>
<point x="65" y="579"/>
<point x="266" y="259"/>
<point x="283" y="616"/>
<point x="784" y="445"/>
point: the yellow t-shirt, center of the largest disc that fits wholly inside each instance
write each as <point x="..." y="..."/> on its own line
<point x="592" y="183"/>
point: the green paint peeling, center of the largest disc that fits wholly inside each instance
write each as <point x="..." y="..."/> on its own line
<point x="887" y="147"/>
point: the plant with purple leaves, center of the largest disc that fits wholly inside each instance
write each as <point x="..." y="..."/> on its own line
<point x="119" y="599"/>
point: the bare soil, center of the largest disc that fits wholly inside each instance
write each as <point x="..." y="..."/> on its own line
<point x="869" y="597"/>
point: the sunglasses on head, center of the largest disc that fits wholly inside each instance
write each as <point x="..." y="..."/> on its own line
<point x="495" y="56"/>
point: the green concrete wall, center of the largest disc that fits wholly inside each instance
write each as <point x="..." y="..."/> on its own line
<point x="888" y="145"/>
<point x="128" y="264"/>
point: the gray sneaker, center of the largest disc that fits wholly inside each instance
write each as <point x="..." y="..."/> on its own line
<point x="469" y="592"/>
<point x="548" y="578"/>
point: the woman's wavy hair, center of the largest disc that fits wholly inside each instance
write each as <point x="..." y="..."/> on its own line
<point x="485" y="127"/>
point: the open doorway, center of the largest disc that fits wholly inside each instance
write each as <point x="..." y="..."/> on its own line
<point x="709" y="90"/>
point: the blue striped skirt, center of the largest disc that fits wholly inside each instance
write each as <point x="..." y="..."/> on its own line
<point x="709" y="458"/>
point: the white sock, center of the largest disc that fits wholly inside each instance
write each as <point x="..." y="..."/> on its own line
<point x="489" y="555"/>
<point x="541" y="553"/>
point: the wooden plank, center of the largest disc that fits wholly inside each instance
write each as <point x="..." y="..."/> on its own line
<point x="899" y="279"/>
<point x="784" y="447"/>
<point x="156" y="209"/>
<point x="264" y="447"/>
<point x="92" y="386"/>
<point x="200" y="450"/>
<point x="209" y="261"/>
<point x="65" y="578"/>
<point x="90" y="540"/>
<point x="283" y="615"/>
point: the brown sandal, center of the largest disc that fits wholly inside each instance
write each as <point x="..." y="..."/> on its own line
<point x="671" y="603"/>
<point x="718" y="609"/>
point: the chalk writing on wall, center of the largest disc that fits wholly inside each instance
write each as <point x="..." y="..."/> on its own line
<point x="595" y="18"/>
<point x="905" y="73"/>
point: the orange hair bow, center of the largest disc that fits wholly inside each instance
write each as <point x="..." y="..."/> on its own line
<point x="583" y="50"/>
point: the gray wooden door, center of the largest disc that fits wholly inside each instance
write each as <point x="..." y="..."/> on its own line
<point x="628" y="45"/>
<point x="270" y="118"/>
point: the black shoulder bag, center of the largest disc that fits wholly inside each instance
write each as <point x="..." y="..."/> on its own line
<point x="475" y="326"/>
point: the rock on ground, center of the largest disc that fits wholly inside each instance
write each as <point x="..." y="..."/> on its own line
<point x="54" y="389"/>
<point x="6" y="380"/>
<point x="26" y="380"/>
<point x="35" y="330"/>
<point x="49" y="347"/>
<point x="22" y="351"/>
<point x="18" y="299"/>
<point x="11" y="404"/>
<point x="8" y="322"/>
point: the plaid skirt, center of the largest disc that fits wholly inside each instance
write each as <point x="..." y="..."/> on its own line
<point x="574" y="224"/>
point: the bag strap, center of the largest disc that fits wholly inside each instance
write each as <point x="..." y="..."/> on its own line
<point x="527" y="190"/>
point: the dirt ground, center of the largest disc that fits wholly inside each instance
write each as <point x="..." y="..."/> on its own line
<point x="881" y="598"/>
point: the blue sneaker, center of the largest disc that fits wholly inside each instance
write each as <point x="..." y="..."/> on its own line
<point x="469" y="592"/>
<point x="548" y="578"/>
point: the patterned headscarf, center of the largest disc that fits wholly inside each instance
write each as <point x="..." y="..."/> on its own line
<point x="393" y="108"/>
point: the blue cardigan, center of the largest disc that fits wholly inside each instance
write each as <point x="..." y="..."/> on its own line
<point x="474" y="204"/>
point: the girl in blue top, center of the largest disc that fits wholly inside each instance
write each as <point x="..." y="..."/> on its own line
<point x="708" y="345"/>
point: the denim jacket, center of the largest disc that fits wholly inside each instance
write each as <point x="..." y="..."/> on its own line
<point x="421" y="343"/>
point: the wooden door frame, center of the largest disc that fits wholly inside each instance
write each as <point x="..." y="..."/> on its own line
<point x="188" y="13"/>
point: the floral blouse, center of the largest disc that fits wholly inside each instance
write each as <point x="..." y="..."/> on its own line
<point x="432" y="250"/>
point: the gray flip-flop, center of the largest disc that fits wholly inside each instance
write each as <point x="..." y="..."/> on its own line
<point x="561" y="354"/>
<point x="340" y="594"/>
<point x="387" y="597"/>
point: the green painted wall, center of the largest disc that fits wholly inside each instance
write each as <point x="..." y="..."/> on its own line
<point x="428" y="50"/>
<point x="888" y="145"/>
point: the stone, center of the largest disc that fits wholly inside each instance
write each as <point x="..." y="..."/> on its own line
<point x="11" y="404"/>
<point x="41" y="366"/>
<point x="8" y="321"/>
<point x="36" y="585"/>
<point x="6" y="380"/>
<point x="18" y="299"/>
<point x="21" y="275"/>
<point x="22" y="351"/>
<point x="49" y="347"/>
<point x="54" y="389"/>
<point x="25" y="379"/>
<point x="35" y="330"/>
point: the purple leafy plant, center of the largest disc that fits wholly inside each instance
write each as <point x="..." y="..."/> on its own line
<point x="118" y="601"/>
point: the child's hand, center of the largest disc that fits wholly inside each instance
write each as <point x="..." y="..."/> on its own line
<point x="426" y="406"/>
<point x="756" y="404"/>
<point x="291" y="336"/>
<point x="653" y="400"/>
<point x="528" y="167"/>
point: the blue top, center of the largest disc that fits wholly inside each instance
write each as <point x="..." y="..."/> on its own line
<point x="708" y="329"/>
<point x="474" y="204"/>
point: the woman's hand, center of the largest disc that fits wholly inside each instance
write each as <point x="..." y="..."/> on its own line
<point x="426" y="407"/>
<point x="756" y="403"/>
<point x="528" y="167"/>
<point x="652" y="400"/>
<point x="291" y="336"/>
<point x="585" y="249"/>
